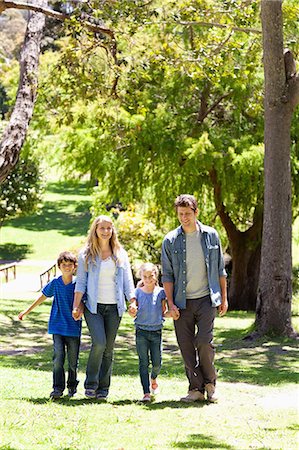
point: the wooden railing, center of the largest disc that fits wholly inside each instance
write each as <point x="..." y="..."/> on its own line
<point x="6" y="270"/>
<point x="46" y="276"/>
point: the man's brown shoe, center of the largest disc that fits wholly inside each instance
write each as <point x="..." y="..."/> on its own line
<point x="210" y="390"/>
<point x="193" y="396"/>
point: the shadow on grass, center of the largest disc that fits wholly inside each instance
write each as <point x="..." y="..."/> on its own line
<point x="201" y="441"/>
<point x="66" y="401"/>
<point x="14" y="252"/>
<point x="71" y="402"/>
<point x="69" y="188"/>
<point x="263" y="362"/>
<point x="55" y="216"/>
<point x="70" y="217"/>
<point x="245" y="368"/>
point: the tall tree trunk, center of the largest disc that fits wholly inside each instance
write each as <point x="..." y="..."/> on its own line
<point x="273" y="312"/>
<point x="243" y="283"/>
<point x="15" y="133"/>
<point x="245" y="250"/>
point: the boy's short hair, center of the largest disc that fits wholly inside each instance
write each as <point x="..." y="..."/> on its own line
<point x="186" y="200"/>
<point x="67" y="256"/>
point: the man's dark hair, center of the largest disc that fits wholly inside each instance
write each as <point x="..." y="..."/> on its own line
<point x="68" y="257"/>
<point x="186" y="200"/>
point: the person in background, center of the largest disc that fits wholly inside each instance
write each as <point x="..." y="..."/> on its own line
<point x="65" y="330"/>
<point x="149" y="309"/>
<point x="194" y="280"/>
<point x="104" y="273"/>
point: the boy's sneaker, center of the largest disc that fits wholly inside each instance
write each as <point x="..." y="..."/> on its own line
<point x="55" y="394"/>
<point x="154" y="387"/>
<point x="146" y="398"/>
<point x="72" y="392"/>
<point x="210" y="390"/>
<point x="193" y="396"/>
<point x="90" y="393"/>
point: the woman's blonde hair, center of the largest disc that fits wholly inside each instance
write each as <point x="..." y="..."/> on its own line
<point x="148" y="267"/>
<point x="92" y="247"/>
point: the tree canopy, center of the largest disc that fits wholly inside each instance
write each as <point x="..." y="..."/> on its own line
<point x="152" y="99"/>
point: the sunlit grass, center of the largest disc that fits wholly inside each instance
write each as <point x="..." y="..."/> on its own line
<point x="62" y="224"/>
<point x="257" y="389"/>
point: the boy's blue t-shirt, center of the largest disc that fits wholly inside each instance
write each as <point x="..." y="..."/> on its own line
<point x="61" y="320"/>
<point x="149" y="313"/>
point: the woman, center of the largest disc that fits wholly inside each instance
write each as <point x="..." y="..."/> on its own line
<point x="105" y="275"/>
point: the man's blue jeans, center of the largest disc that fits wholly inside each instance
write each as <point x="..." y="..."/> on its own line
<point x="65" y="345"/>
<point x="149" y="346"/>
<point x="103" y="328"/>
<point x="194" y="332"/>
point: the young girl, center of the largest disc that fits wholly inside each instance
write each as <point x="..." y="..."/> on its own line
<point x="149" y="309"/>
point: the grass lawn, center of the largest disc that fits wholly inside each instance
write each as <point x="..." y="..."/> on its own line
<point x="61" y="224"/>
<point x="257" y="407"/>
<point x="257" y="385"/>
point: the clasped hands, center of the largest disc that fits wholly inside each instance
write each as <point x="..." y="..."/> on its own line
<point x="77" y="312"/>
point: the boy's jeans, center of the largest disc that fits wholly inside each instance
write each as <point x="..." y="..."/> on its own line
<point x="148" y="343"/>
<point x="103" y="328"/>
<point x="63" y="345"/>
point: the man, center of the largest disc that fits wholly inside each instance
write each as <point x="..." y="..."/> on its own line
<point x="194" y="280"/>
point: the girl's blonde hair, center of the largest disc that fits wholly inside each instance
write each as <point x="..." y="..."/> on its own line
<point x="92" y="247"/>
<point x="148" y="267"/>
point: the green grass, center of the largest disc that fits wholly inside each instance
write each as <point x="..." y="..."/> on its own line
<point x="256" y="384"/>
<point x="61" y="224"/>
<point x="295" y="243"/>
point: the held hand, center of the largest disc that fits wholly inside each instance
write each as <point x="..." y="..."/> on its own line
<point x="78" y="312"/>
<point x="132" y="310"/>
<point x="222" y="309"/>
<point x="175" y="314"/>
<point x="174" y="311"/>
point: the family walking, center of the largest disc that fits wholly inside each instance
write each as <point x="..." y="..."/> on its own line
<point x="194" y="286"/>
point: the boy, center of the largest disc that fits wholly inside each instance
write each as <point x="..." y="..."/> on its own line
<point x="65" y="330"/>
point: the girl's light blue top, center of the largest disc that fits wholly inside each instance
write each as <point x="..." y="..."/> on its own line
<point x="149" y="313"/>
<point x="88" y="281"/>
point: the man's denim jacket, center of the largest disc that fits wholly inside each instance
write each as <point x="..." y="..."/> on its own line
<point x="88" y="281"/>
<point x="174" y="263"/>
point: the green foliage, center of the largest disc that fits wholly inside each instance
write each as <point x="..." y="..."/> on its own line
<point x="140" y="236"/>
<point x="3" y="102"/>
<point x="182" y="99"/>
<point x="21" y="191"/>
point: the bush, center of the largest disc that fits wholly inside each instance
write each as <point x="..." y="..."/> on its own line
<point x="21" y="191"/>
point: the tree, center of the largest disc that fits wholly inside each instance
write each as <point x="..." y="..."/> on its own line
<point x="273" y="312"/>
<point x="189" y="105"/>
<point x="15" y="133"/>
<point x="184" y="108"/>
<point x="21" y="191"/>
<point x="186" y="103"/>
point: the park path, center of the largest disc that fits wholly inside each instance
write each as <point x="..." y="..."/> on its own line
<point x="27" y="283"/>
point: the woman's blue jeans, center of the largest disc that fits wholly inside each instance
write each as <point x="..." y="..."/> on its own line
<point x="149" y="347"/>
<point x="65" y="345"/>
<point x="103" y="328"/>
